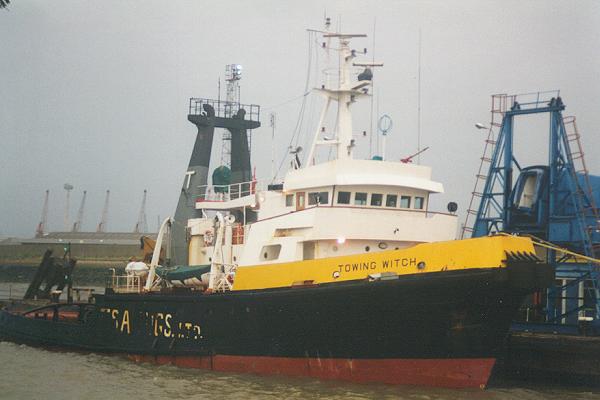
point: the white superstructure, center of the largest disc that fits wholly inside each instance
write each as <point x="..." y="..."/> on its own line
<point x="338" y="207"/>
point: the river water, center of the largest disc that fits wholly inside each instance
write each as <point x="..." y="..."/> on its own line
<point x="34" y="373"/>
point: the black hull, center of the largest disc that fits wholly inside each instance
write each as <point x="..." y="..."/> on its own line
<point x="451" y="315"/>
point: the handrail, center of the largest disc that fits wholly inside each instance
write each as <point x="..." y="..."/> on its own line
<point x="229" y="192"/>
<point x="532" y="100"/>
<point x="426" y="213"/>
<point x="125" y="283"/>
<point x="223" y="108"/>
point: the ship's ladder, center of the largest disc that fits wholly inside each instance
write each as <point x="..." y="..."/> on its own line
<point x="584" y="204"/>
<point x="584" y="188"/>
<point x="499" y="107"/>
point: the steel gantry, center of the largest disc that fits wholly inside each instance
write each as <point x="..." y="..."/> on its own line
<point x="553" y="203"/>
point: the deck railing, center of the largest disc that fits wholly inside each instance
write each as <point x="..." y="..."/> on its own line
<point x="9" y="293"/>
<point x="125" y="283"/>
<point x="224" y="109"/>
<point x="229" y="192"/>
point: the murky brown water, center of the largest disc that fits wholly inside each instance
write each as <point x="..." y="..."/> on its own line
<point x="31" y="373"/>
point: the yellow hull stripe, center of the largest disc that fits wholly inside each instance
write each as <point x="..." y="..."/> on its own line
<point x="486" y="252"/>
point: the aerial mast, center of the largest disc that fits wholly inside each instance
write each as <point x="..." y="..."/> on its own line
<point x="39" y="232"/>
<point x="104" y="219"/>
<point x="346" y="93"/>
<point x="233" y="74"/>
<point x="141" y="225"/>
<point x="272" y="125"/>
<point x="77" y="223"/>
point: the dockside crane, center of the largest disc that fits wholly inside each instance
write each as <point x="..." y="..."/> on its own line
<point x="141" y="225"/>
<point x="68" y="187"/>
<point x="104" y="219"/>
<point x="39" y="232"/>
<point x="77" y="223"/>
<point x="555" y="204"/>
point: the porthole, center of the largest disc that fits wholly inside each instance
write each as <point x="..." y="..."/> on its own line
<point x="421" y="265"/>
<point x="367" y="248"/>
<point x="234" y="258"/>
<point x="266" y="255"/>
<point x="335" y="248"/>
<point x="382" y="245"/>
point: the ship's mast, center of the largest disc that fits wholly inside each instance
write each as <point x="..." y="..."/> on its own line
<point x="233" y="74"/>
<point x="347" y="92"/>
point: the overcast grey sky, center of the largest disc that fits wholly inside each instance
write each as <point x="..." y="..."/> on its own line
<point x="96" y="93"/>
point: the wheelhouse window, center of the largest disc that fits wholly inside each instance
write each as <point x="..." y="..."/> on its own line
<point x="391" y="200"/>
<point x="376" y="199"/>
<point x="343" y="197"/>
<point x="289" y="200"/>
<point x="360" y="199"/>
<point x="318" y="198"/>
<point x="404" y="201"/>
<point x="419" y="203"/>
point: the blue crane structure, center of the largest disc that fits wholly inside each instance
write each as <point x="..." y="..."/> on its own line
<point x="553" y="203"/>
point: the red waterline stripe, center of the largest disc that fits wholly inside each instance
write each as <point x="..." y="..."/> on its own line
<point x="451" y="373"/>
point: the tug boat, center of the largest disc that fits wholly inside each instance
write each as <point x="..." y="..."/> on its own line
<point x="341" y="272"/>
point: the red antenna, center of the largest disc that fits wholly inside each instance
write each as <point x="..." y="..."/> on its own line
<point x="408" y="159"/>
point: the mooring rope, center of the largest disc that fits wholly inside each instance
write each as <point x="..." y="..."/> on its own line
<point x="552" y="246"/>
